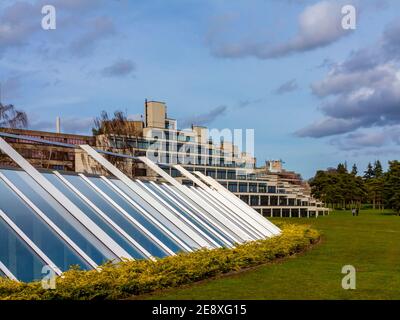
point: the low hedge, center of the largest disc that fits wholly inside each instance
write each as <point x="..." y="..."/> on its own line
<point x="130" y="278"/>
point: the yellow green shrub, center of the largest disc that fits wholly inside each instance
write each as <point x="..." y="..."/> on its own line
<point x="129" y="278"/>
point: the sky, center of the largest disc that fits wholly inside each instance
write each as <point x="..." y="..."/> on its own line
<point x="315" y="94"/>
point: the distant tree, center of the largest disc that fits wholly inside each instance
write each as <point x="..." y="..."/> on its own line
<point x="342" y="168"/>
<point x="378" y="170"/>
<point x="354" y="170"/>
<point x="339" y="188"/>
<point x="391" y="192"/>
<point x="369" y="173"/>
<point x="11" y="117"/>
<point x="374" y="183"/>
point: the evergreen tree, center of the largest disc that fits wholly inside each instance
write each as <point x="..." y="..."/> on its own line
<point x="369" y="173"/>
<point x="354" y="170"/>
<point x="391" y="192"/>
<point x="378" y="170"/>
<point x="342" y="168"/>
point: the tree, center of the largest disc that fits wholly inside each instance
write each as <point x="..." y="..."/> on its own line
<point x="354" y="170"/>
<point x="391" y="191"/>
<point x="378" y="170"/>
<point x="342" y="168"/>
<point x="11" y="117"/>
<point x="117" y="134"/>
<point x="373" y="179"/>
<point x="339" y="188"/>
<point x="369" y="173"/>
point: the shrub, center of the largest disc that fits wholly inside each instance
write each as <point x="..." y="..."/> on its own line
<point x="128" y="278"/>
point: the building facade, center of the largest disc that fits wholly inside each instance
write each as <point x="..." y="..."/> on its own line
<point x="271" y="190"/>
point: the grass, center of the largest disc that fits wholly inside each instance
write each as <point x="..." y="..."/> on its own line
<point x="369" y="242"/>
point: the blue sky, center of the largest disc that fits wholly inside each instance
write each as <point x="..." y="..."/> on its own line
<point x="314" y="93"/>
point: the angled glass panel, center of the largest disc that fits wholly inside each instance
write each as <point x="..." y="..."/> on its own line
<point x="193" y="233"/>
<point x="18" y="257"/>
<point x="225" y="213"/>
<point x="137" y="215"/>
<point x="38" y="231"/>
<point x="114" y="234"/>
<point x="227" y="231"/>
<point x="237" y="220"/>
<point x="60" y="216"/>
<point x="157" y="215"/>
<point x="173" y="203"/>
<point x="112" y="213"/>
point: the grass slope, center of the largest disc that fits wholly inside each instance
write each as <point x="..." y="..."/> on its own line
<point x="369" y="242"/>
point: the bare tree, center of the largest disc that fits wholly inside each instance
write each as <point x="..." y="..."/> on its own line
<point x="116" y="134"/>
<point x="11" y="117"/>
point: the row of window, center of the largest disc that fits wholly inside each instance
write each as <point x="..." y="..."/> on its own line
<point x="274" y="201"/>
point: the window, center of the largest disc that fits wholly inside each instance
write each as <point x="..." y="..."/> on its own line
<point x="264" y="200"/>
<point x="243" y="187"/>
<point x="273" y="201"/>
<point x="231" y="175"/>
<point x="271" y="189"/>
<point x="232" y="187"/>
<point x="252" y="187"/>
<point x="262" y="188"/>
<point x="221" y="174"/>
<point x="254" y="201"/>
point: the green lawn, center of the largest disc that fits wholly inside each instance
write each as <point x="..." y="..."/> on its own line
<point x="369" y="242"/>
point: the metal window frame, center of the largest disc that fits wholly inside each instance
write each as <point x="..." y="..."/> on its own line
<point x="212" y="216"/>
<point x="253" y="224"/>
<point x="7" y="272"/>
<point x="107" y="219"/>
<point x="95" y="230"/>
<point x="184" y="205"/>
<point x="203" y="213"/>
<point x="41" y="215"/>
<point x="211" y="243"/>
<point x="231" y="214"/>
<point x="250" y="211"/>
<point x="157" y="204"/>
<point x="229" y="195"/>
<point x="236" y="232"/>
<point x="242" y="232"/>
<point x="153" y="220"/>
<point x="149" y="199"/>
<point x="30" y="243"/>
<point x="240" y="215"/>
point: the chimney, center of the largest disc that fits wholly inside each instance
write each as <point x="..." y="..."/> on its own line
<point x="58" y="125"/>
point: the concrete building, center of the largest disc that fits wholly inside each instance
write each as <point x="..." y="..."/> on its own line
<point x="271" y="190"/>
<point x="45" y="156"/>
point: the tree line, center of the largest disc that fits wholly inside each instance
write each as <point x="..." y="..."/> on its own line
<point x="340" y="188"/>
